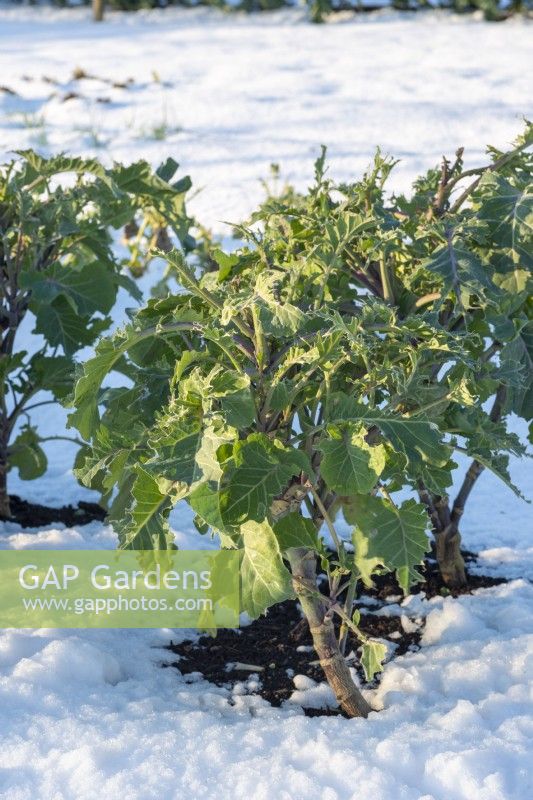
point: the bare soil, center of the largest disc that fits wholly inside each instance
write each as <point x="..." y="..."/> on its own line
<point x="33" y="515"/>
<point x="272" y="642"/>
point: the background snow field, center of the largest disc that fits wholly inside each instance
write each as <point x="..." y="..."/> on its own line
<point x="91" y="715"/>
<point x="228" y="95"/>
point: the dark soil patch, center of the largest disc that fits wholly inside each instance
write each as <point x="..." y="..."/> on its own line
<point x="386" y="586"/>
<point x="271" y="642"/>
<point x="33" y="515"/>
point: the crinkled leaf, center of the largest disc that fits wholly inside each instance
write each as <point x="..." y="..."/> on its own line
<point x="27" y="455"/>
<point x="262" y="472"/>
<point x="373" y="654"/>
<point x="364" y="565"/>
<point x="62" y="326"/>
<point x="265" y="580"/>
<point x="54" y="374"/>
<point x="204" y="500"/>
<point x="349" y="464"/>
<point x="418" y="439"/>
<point x="293" y="530"/>
<point x="138" y="178"/>
<point x="146" y="524"/>
<point x="213" y="437"/>
<point x="85" y="417"/>
<point x="109" y="353"/>
<point x="520" y="352"/>
<point x="498" y="463"/>
<point x="461" y="271"/>
<point x="89" y="288"/>
<point x="508" y="211"/>
<point x="238" y="408"/>
<point x="47" y="167"/>
<point x="396" y="535"/>
<point x="175" y="459"/>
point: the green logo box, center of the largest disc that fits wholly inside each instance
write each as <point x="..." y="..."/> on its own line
<point x="119" y="589"/>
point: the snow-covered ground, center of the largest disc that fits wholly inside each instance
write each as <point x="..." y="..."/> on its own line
<point x="90" y="714"/>
<point x="228" y="95"/>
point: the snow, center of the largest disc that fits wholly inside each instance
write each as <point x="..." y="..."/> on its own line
<point x="90" y="714"/>
<point x="310" y="694"/>
<point x="231" y="94"/>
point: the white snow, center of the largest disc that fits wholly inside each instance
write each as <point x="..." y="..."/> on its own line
<point x="86" y="715"/>
<point x="231" y="94"/>
<point x="91" y="715"/>
<point x="310" y="694"/>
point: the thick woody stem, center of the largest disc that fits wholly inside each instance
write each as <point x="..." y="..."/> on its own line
<point x="446" y="521"/>
<point x="447" y="539"/>
<point x="5" y="508"/>
<point x="315" y="608"/>
<point x="476" y="468"/>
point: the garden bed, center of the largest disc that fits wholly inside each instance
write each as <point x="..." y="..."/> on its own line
<point x="35" y="515"/>
<point x="279" y="643"/>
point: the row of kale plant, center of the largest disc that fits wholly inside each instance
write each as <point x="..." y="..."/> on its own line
<point x="319" y="10"/>
<point x="338" y="358"/>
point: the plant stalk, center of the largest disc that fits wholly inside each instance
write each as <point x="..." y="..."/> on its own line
<point x="447" y="539"/>
<point x="98" y="10"/>
<point x="5" y="507"/>
<point x="449" y="557"/>
<point x="314" y="606"/>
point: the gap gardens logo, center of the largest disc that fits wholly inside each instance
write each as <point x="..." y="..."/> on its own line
<point x="119" y="589"/>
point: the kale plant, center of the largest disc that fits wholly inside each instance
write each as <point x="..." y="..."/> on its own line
<point x="57" y="263"/>
<point x="334" y="363"/>
<point x="319" y="10"/>
<point x="468" y="260"/>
